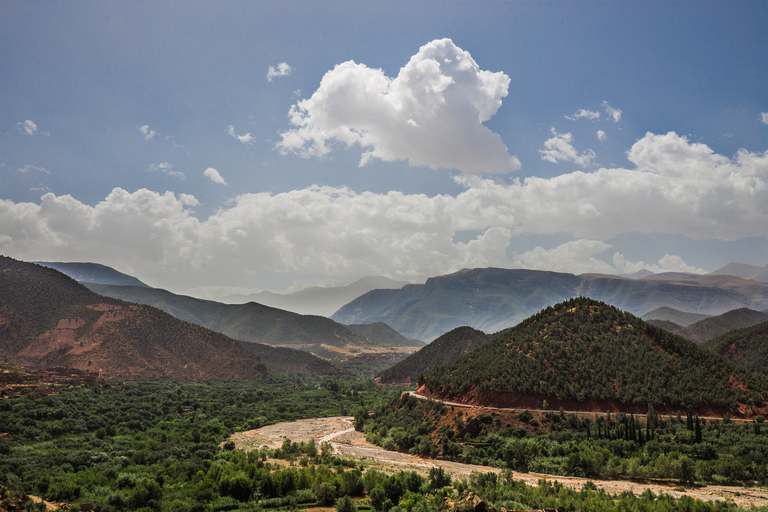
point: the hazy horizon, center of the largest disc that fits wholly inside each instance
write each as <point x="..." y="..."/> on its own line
<point x="280" y="145"/>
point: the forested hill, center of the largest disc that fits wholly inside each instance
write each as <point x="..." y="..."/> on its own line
<point x="584" y="354"/>
<point x="747" y="346"/>
<point x="48" y="319"/>
<point x="445" y="349"/>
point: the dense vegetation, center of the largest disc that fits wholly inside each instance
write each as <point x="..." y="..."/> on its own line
<point x="156" y="443"/>
<point x="681" y="448"/>
<point x="445" y="349"/>
<point x="748" y="347"/>
<point x="582" y="349"/>
<point x="38" y="296"/>
<point x="159" y="445"/>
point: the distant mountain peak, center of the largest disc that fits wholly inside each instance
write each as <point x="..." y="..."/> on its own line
<point x="92" y="273"/>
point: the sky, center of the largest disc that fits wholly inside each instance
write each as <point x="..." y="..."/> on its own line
<point x="224" y="147"/>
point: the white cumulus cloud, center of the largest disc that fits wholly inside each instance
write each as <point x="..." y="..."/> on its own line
<point x="673" y="187"/>
<point x="282" y="69"/>
<point x="431" y="114"/>
<point x="214" y="175"/>
<point x="613" y="113"/>
<point x="559" y="148"/>
<point x="245" y="139"/>
<point x="601" y="136"/>
<point x="764" y="117"/>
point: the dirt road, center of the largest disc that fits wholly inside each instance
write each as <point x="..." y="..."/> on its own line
<point x="351" y="445"/>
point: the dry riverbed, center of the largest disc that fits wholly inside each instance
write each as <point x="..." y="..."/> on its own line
<point x="351" y="445"/>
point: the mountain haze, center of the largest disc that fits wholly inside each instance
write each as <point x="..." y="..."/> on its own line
<point x="93" y="273"/>
<point x="492" y="299"/>
<point x="744" y="271"/>
<point x="317" y="300"/>
<point x="247" y="322"/>
<point x="681" y="318"/>
<point x="715" y="326"/>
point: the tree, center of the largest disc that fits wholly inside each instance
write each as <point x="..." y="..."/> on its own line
<point x="345" y="504"/>
<point x="438" y="478"/>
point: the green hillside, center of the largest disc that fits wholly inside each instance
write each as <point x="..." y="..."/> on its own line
<point x="584" y="350"/>
<point x="445" y="349"/>
<point x="748" y="347"/>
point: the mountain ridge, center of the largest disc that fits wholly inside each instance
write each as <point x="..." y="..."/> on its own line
<point x="492" y="299"/>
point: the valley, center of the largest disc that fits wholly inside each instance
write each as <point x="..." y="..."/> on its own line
<point x="580" y="400"/>
<point x="351" y="445"/>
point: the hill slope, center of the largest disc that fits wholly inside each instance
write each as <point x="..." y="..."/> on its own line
<point x="748" y="347"/>
<point x="48" y="319"/>
<point x="718" y="325"/>
<point x="383" y="332"/>
<point x="247" y="322"/>
<point x="584" y="354"/>
<point x="257" y="323"/>
<point x="92" y="273"/>
<point x="493" y="299"/>
<point x="445" y="349"/>
<point x="681" y="318"/>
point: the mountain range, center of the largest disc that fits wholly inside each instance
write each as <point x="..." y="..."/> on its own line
<point x="257" y="323"/>
<point x="492" y="299"/>
<point x="48" y="319"/>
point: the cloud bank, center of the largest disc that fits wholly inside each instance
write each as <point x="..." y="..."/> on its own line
<point x="431" y="114"/>
<point x="675" y="187"/>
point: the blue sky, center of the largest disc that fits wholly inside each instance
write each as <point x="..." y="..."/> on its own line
<point x="570" y="136"/>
